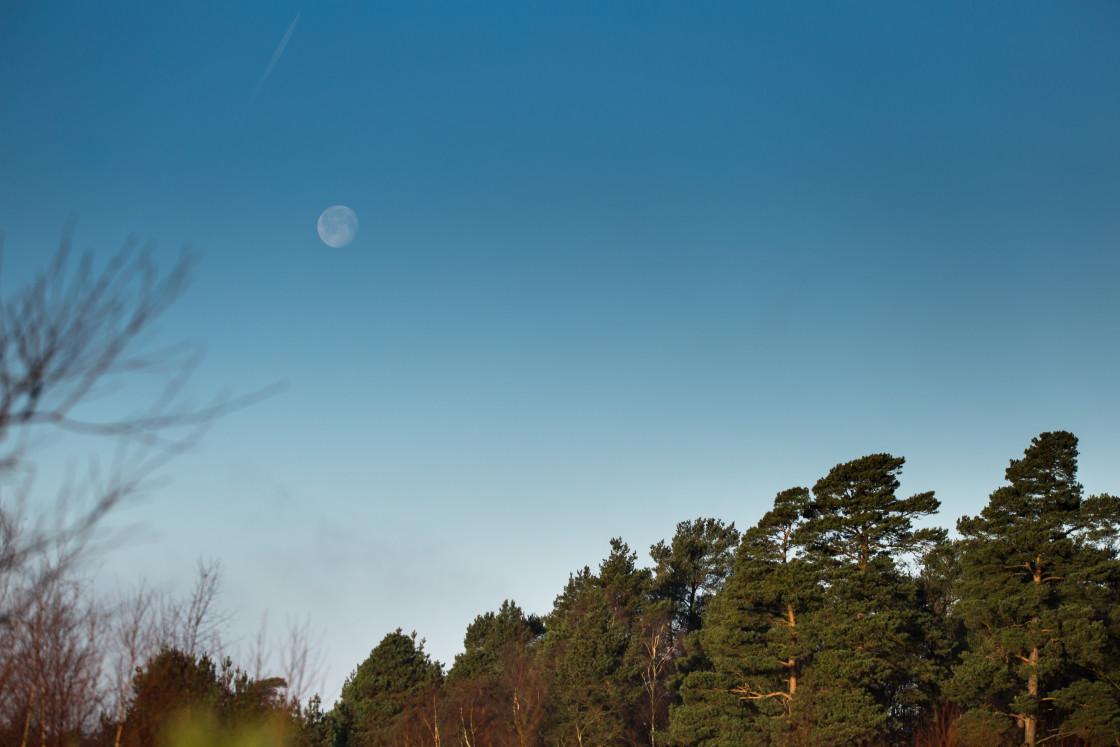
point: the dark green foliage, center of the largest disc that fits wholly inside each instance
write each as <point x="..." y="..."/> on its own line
<point x="175" y="688"/>
<point x="627" y="586"/>
<point x="1038" y="596"/>
<point x="864" y="675"/>
<point x="579" y="584"/>
<point x="753" y="639"/>
<point x="608" y="654"/>
<point x="649" y="622"/>
<point x="172" y="683"/>
<point x="315" y="725"/>
<point x="939" y="576"/>
<point x="871" y="632"/>
<point x="496" y="689"/>
<point x="944" y="634"/>
<point x="396" y="674"/>
<point x="590" y="685"/>
<point x="711" y="714"/>
<point x="490" y="638"/>
<point x="855" y="517"/>
<point x="819" y="635"/>
<point x="693" y="567"/>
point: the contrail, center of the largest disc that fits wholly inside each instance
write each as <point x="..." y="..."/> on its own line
<point x="272" y="63"/>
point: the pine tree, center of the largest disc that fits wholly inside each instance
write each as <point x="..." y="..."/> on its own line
<point x="590" y="688"/>
<point x="490" y="638"/>
<point x="396" y="673"/>
<point x="496" y="685"/>
<point x="753" y="638"/>
<point x="869" y="649"/>
<point x="1038" y="596"/>
<point x="607" y="655"/>
<point x="693" y="566"/>
<point x="817" y="637"/>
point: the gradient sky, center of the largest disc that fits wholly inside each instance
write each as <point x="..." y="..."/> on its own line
<point x="620" y="265"/>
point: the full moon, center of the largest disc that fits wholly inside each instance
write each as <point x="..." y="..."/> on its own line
<point x="338" y="226"/>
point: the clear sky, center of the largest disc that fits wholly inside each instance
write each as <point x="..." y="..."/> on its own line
<point x="619" y="265"/>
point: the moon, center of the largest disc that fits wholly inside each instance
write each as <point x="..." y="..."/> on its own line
<point x="337" y="226"/>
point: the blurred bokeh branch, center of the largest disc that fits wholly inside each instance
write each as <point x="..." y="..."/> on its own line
<point x="71" y="337"/>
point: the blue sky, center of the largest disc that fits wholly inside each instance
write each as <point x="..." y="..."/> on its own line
<point x="619" y="265"/>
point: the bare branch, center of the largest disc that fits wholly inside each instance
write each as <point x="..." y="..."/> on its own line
<point x="71" y="333"/>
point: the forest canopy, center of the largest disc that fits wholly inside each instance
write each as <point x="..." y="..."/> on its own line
<point x="841" y="617"/>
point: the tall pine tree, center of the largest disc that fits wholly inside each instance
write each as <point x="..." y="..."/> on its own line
<point x="816" y="639"/>
<point x="1038" y="596"/>
<point x="754" y="640"/>
<point x="869" y="654"/>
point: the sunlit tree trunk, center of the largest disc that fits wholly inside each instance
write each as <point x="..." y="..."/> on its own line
<point x="1030" y="722"/>
<point x="30" y="710"/>
<point x="792" y="663"/>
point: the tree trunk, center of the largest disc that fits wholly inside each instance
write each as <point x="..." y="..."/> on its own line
<point x="1030" y="723"/>
<point x="792" y="663"/>
<point x="30" y="711"/>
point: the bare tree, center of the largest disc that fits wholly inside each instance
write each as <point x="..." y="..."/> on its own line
<point x="72" y="337"/>
<point x="260" y="653"/>
<point x="52" y="664"/>
<point x="657" y="656"/>
<point x="196" y="625"/>
<point x="67" y="338"/>
<point x="133" y="640"/>
<point x="301" y="662"/>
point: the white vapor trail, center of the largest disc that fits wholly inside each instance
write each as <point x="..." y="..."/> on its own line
<point x="272" y="63"/>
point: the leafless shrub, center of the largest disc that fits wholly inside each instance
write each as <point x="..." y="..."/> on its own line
<point x="52" y="662"/>
<point x="132" y="640"/>
<point x="301" y="661"/>
<point x="197" y="625"/>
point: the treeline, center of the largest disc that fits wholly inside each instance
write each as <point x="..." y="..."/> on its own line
<point x="841" y="617"/>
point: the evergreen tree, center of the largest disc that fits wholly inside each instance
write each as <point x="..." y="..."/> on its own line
<point x="1038" y="596"/>
<point x="855" y="518"/>
<point x="490" y="638"/>
<point x="176" y="691"/>
<point x="650" y="632"/>
<point x="817" y="637"/>
<point x="172" y="685"/>
<point x="603" y="652"/>
<point x="753" y="639"/>
<point x="590" y="689"/>
<point x="396" y="673"/>
<point x="693" y="567"/>
<point x="945" y="639"/>
<point x="496" y="687"/>
<point x="870" y="637"/>
<point x="627" y="586"/>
